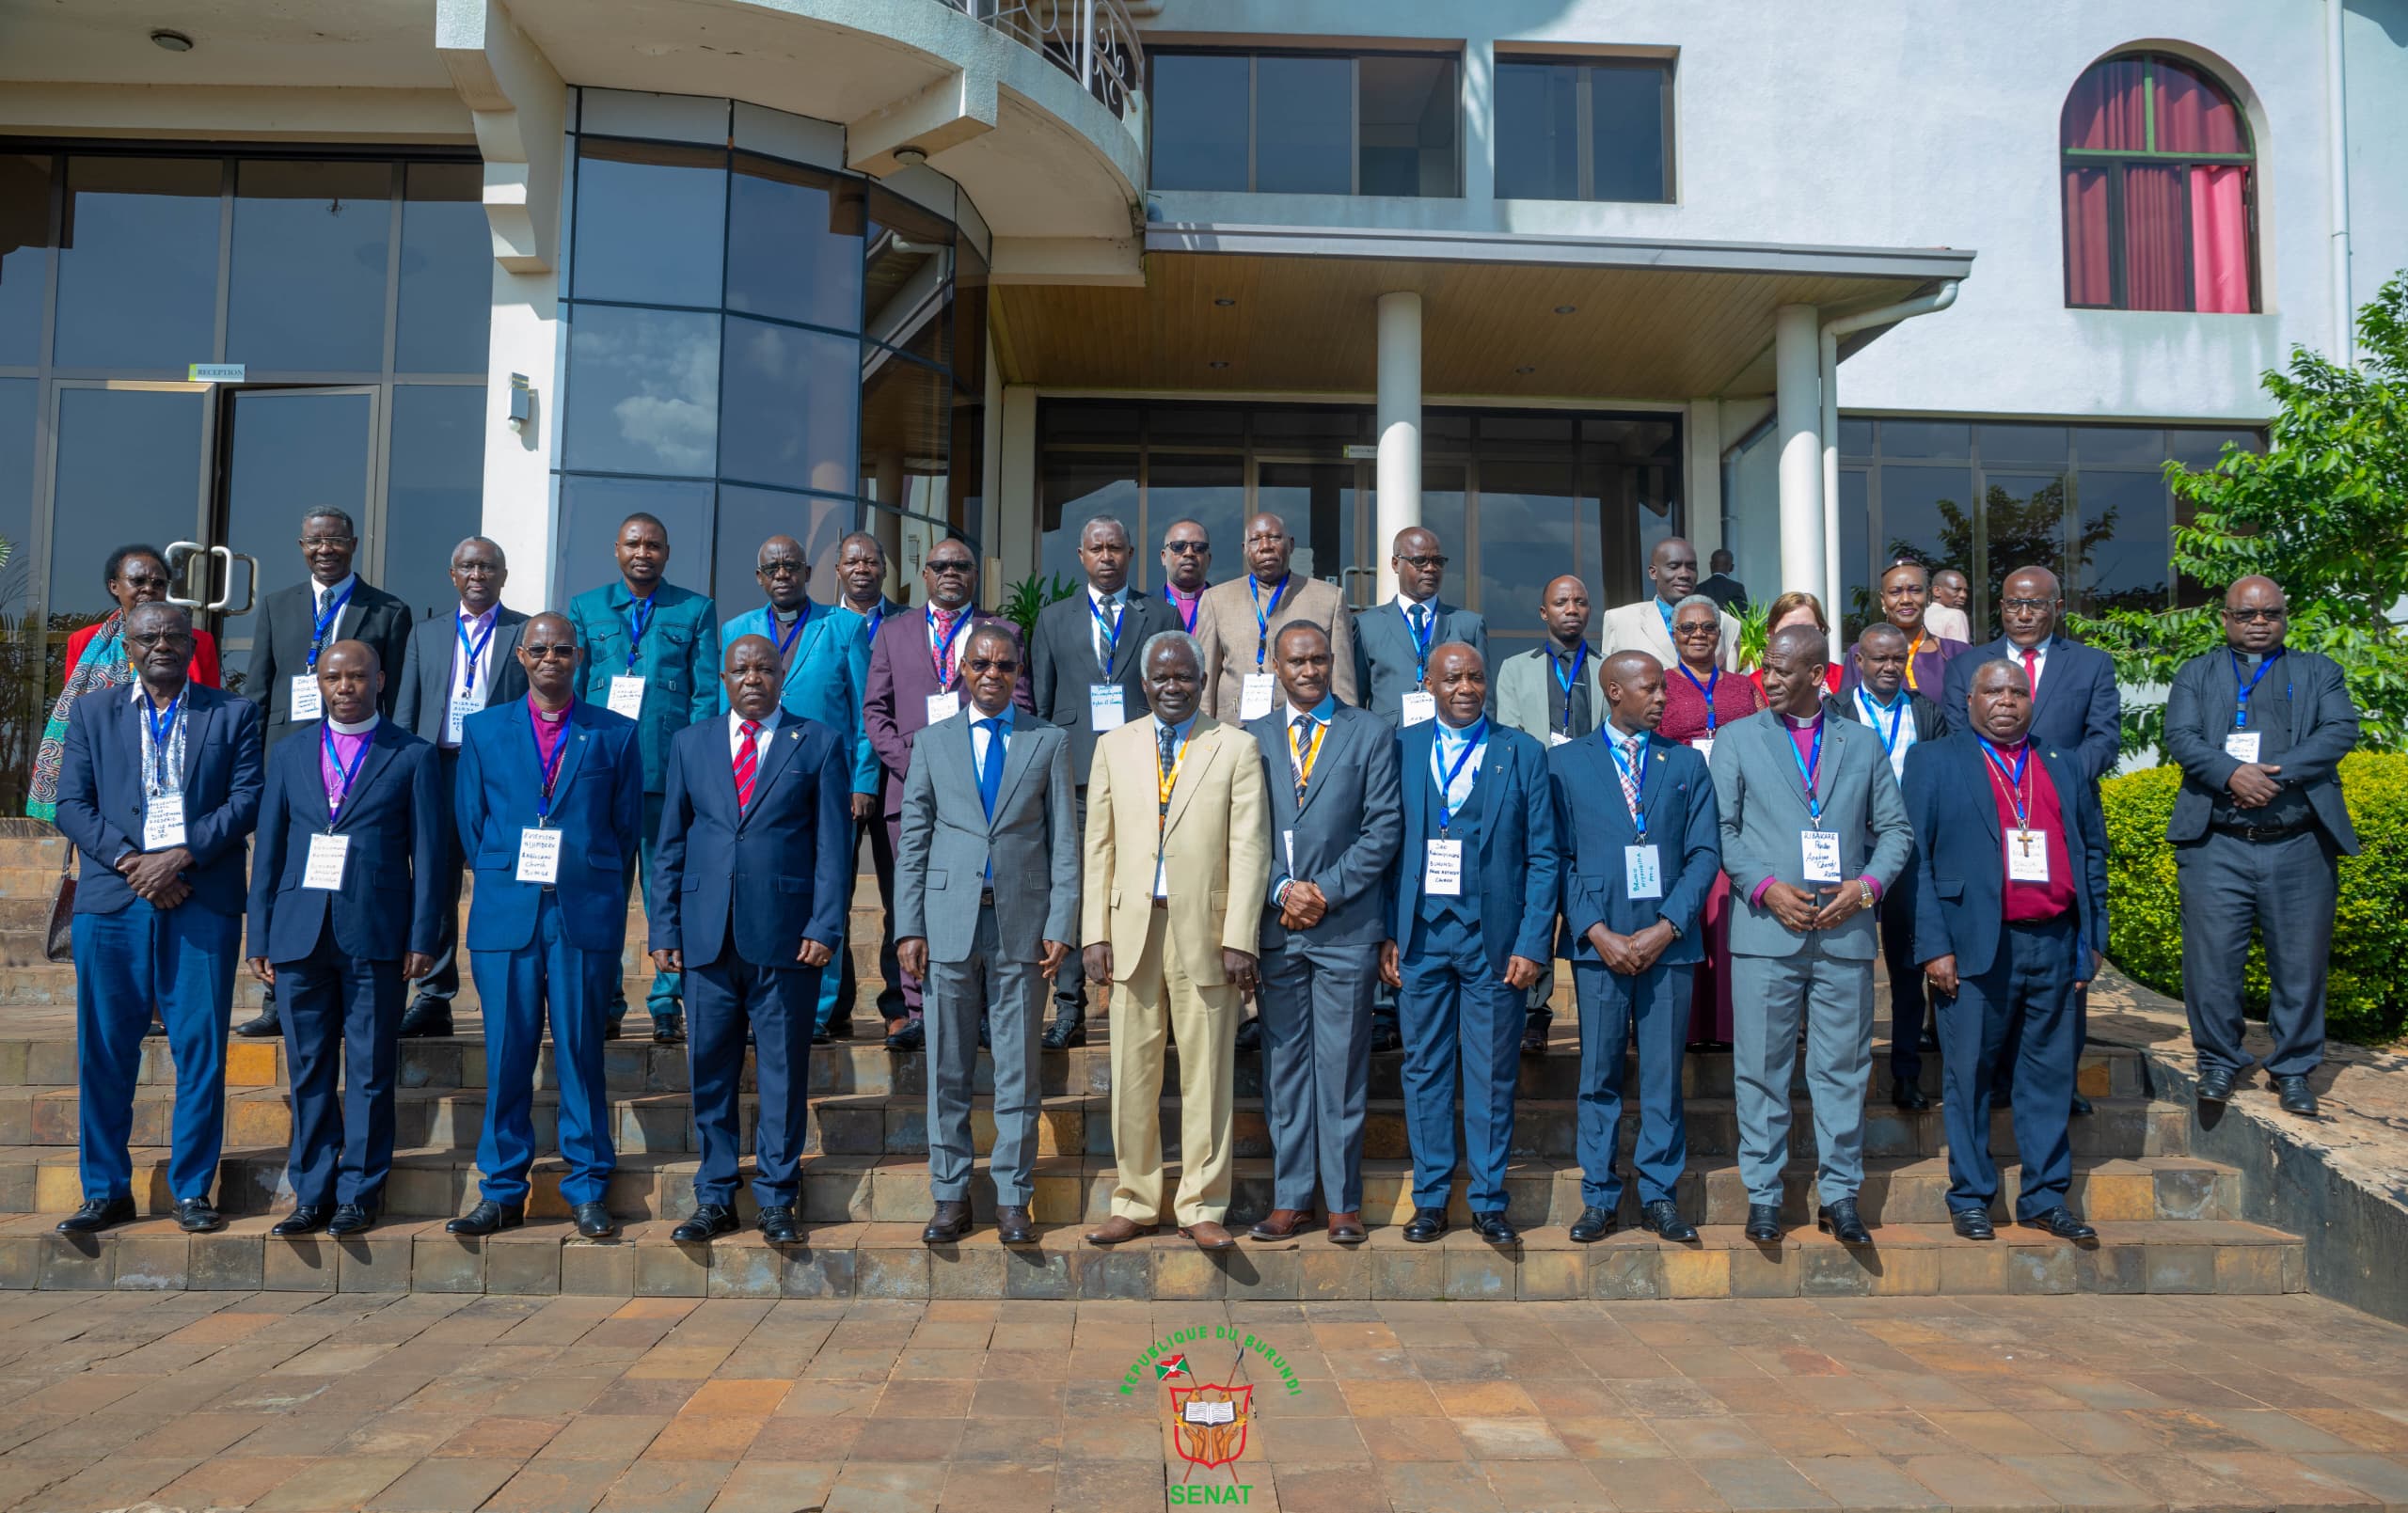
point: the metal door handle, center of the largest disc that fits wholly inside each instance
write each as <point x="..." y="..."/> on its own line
<point x="225" y="605"/>
<point x="179" y="553"/>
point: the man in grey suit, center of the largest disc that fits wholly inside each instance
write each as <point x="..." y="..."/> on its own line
<point x="1393" y="641"/>
<point x="456" y="665"/>
<point x="1814" y="833"/>
<point x="986" y="904"/>
<point x="1337" y="816"/>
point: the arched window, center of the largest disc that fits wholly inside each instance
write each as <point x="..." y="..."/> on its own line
<point x="2159" y="199"/>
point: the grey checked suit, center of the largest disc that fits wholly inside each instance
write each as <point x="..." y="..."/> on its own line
<point x="1777" y="973"/>
<point x="986" y="938"/>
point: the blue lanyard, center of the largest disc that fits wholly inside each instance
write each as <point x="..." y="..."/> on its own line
<point x="1422" y="636"/>
<point x="1808" y="766"/>
<point x="162" y="726"/>
<point x="2014" y="781"/>
<point x="793" y="636"/>
<point x="1713" y="681"/>
<point x="2240" y="711"/>
<point x="549" y="768"/>
<point x="1565" y="678"/>
<point x="876" y="617"/>
<point x="1897" y="711"/>
<point x="1263" y="616"/>
<point x="942" y="652"/>
<point x="638" y="615"/>
<point x="1472" y="738"/>
<point x="343" y="776"/>
<point x="1638" y="780"/>
<point x="468" y="664"/>
<point x="326" y="621"/>
<point x="1111" y="628"/>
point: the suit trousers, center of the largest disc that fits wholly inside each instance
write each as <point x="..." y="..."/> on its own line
<point x="1070" y="983"/>
<point x="519" y="990"/>
<point x="342" y="1016"/>
<point x="1158" y="1003"/>
<point x="2022" y="1008"/>
<point x="776" y="1004"/>
<point x="1008" y="991"/>
<point x="2286" y="888"/>
<point x="1617" y="1010"/>
<point x="892" y="826"/>
<point x="663" y="998"/>
<point x="1315" y="1002"/>
<point x="181" y="962"/>
<point x="1767" y="996"/>
<point x="840" y="989"/>
<point x="1457" y="1012"/>
<point x="442" y="983"/>
<point x="1909" y="1006"/>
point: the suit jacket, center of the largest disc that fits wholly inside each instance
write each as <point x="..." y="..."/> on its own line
<point x="758" y="881"/>
<point x="1960" y="871"/>
<point x="1763" y="802"/>
<point x="391" y="899"/>
<point x="1511" y="852"/>
<point x="430" y="670"/>
<point x="1062" y="665"/>
<point x="1224" y="623"/>
<point x="598" y="805"/>
<point x="280" y="647"/>
<point x="1385" y="658"/>
<point x="2077" y="707"/>
<point x="678" y="662"/>
<point x="100" y="793"/>
<point x="1683" y="823"/>
<point x="1725" y="591"/>
<point x="1215" y="847"/>
<point x="1342" y="836"/>
<point x="1520" y="688"/>
<point x="1930" y="723"/>
<point x="2324" y="727"/>
<point x="949" y="843"/>
<point x="902" y="675"/>
<point x="827" y="679"/>
<point x="1639" y="627"/>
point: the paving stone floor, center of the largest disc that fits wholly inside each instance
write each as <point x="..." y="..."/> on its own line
<point x="285" y="1401"/>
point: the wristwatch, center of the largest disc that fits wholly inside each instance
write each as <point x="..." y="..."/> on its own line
<point x="1669" y="926"/>
<point x="1865" y="885"/>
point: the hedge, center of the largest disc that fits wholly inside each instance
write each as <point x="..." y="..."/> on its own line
<point x="2368" y="991"/>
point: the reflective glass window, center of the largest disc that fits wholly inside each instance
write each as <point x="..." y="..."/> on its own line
<point x="909" y="257"/>
<point x="650" y="222"/>
<point x="1583" y="131"/>
<point x="25" y="255"/>
<point x="794" y="248"/>
<point x="748" y="517"/>
<point x="2140" y="446"/>
<point x="2022" y="444"/>
<point x="2024" y="523"/>
<point x="18" y="397"/>
<point x="2126" y="543"/>
<point x="1200" y="107"/>
<point x="1073" y="488"/>
<point x="1325" y="512"/>
<point x="2200" y="450"/>
<point x="1925" y="438"/>
<point x="1173" y="425"/>
<point x="138" y="273"/>
<point x="1538" y="131"/>
<point x="643" y="391"/>
<point x="129" y="470"/>
<point x="786" y="398"/>
<point x="1303" y="125"/>
<point x="1526" y="527"/>
<point x="1627" y="106"/>
<point x="1408" y="109"/>
<point x="311" y="242"/>
<point x="592" y="510"/>
<point x="1210" y="491"/>
<point x="1926" y="513"/>
<point x="435" y="497"/>
<point x="447" y="271"/>
<point x="1856" y="550"/>
<point x="289" y="451"/>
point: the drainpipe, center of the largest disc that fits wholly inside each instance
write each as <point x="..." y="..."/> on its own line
<point x="1939" y="299"/>
<point x="2336" y="143"/>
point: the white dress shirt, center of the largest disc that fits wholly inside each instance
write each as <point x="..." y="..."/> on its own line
<point x="1113" y="607"/>
<point x="1878" y="718"/>
<point x="1444" y="751"/>
<point x="760" y="742"/>
<point x="2040" y="662"/>
<point x="980" y="737"/>
<point x="327" y="593"/>
<point x="480" y="680"/>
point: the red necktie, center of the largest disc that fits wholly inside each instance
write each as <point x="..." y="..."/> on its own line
<point x="747" y="763"/>
<point x="2031" y="670"/>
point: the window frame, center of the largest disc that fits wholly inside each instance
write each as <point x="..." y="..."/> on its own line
<point x="1584" y="119"/>
<point x="1354" y="60"/>
<point x="2114" y="161"/>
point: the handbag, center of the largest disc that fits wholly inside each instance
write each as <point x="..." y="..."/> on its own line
<point x="59" y="943"/>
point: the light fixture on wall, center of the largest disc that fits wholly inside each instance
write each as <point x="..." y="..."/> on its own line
<point x="911" y="157"/>
<point x="1525" y="369"/>
<point x="1217" y="364"/>
<point x="1225" y="302"/>
<point x="172" y="42"/>
<point x="1566" y="309"/>
<point x="522" y="403"/>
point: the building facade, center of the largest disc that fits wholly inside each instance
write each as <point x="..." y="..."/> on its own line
<point x="1823" y="285"/>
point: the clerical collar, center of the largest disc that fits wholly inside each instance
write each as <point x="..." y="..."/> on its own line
<point x="1808" y="723"/>
<point x="361" y="729"/>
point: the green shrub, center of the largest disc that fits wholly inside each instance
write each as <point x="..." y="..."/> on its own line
<point x="2369" y="996"/>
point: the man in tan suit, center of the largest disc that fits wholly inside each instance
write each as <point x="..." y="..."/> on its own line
<point x="1238" y="620"/>
<point x="1177" y="864"/>
<point x="1647" y="625"/>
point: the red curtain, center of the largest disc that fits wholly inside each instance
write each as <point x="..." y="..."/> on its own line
<point x="2193" y="115"/>
<point x="2219" y="239"/>
<point x="2105" y="108"/>
<point x="2155" y="240"/>
<point x="2087" y="278"/>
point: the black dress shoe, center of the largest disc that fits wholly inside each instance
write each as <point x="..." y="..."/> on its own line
<point x="157" y="1031"/>
<point x="913" y="1036"/>
<point x="1061" y="1036"/>
<point x="352" y="1219"/>
<point x="97" y="1214"/>
<point x="1427" y="1225"/>
<point x="1764" y="1224"/>
<point x="1910" y="1097"/>
<point x="307" y="1220"/>
<point x="1013" y="1226"/>
<point x="949" y="1225"/>
<point x="427" y="1019"/>
<point x="669" y="1028"/>
<point x="594" y="1221"/>
<point x="2215" y="1084"/>
<point x="1385" y="1037"/>
<point x="2081" y="1107"/>
<point x="1663" y="1216"/>
<point x="199" y="1215"/>
<point x="840" y="1027"/>
<point x="1534" y="1038"/>
<point x="777" y="1224"/>
<point x="1594" y="1224"/>
<point x="1841" y="1222"/>
<point x="487" y="1218"/>
<point x="1495" y="1228"/>
<point x="1249" y="1039"/>
<point x="1971" y="1223"/>
<point x="612" y="1027"/>
<point x="1930" y="1041"/>
<point x="2063" y="1223"/>
<point x="2296" y="1096"/>
<point x="267" y="1027"/>
<point x="710" y="1221"/>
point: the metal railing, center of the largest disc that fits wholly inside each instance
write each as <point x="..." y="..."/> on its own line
<point x="1092" y="40"/>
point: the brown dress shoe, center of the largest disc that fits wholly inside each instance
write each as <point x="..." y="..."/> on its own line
<point x="951" y="1223"/>
<point x="1346" y="1228"/>
<point x="1207" y="1234"/>
<point x="1282" y="1223"/>
<point x="1013" y="1225"/>
<point x="1117" y="1230"/>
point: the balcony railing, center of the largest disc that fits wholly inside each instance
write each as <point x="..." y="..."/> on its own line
<point x="1091" y="40"/>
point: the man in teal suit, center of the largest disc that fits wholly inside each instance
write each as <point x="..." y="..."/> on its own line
<point x="826" y="663"/>
<point x="651" y="654"/>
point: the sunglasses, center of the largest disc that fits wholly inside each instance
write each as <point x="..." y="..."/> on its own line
<point x="2252" y="617"/>
<point x="950" y="568"/>
<point x="1425" y="563"/>
<point x="540" y="650"/>
<point x="783" y="568"/>
<point x="981" y="664"/>
<point x="1187" y="548"/>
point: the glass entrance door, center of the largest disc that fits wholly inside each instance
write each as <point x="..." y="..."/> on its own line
<point x="281" y="452"/>
<point x="1327" y="509"/>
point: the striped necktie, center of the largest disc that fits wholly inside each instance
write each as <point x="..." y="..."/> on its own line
<point x="748" y="764"/>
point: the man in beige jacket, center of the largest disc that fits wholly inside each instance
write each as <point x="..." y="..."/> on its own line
<point x="1236" y="621"/>
<point x="1177" y="863"/>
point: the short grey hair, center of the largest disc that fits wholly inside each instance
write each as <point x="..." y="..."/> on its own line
<point x="1680" y="605"/>
<point x="1988" y="662"/>
<point x="1172" y="637"/>
<point x="328" y="511"/>
<point x="1115" y="523"/>
<point x="468" y="542"/>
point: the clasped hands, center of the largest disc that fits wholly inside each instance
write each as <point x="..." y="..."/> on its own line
<point x="156" y="876"/>
<point x="813" y="953"/>
<point x="2253" y="785"/>
<point x="911" y="954"/>
<point x="1801" y="910"/>
<point x="1520" y="972"/>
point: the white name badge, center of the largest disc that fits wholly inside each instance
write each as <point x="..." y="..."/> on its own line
<point x="539" y="855"/>
<point x="1642" y="874"/>
<point x="163" y="822"/>
<point x="2242" y="746"/>
<point x="1442" y="876"/>
<point x="461" y="708"/>
<point x="1255" y="702"/>
<point x="1107" y="706"/>
<point x="626" y="696"/>
<point x="1162" y="878"/>
<point x="1288" y="844"/>
<point x="1420" y="708"/>
<point x="1703" y="746"/>
<point x="1822" y="851"/>
<point x="328" y="853"/>
<point x="1554" y="738"/>
<point x="306" y="703"/>
<point x="943" y="705"/>
<point x="2027" y="856"/>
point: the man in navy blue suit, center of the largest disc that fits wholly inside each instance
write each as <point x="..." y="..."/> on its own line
<point x="1472" y="923"/>
<point x="159" y="786"/>
<point x="550" y="801"/>
<point x="1641" y="843"/>
<point x="748" y="886"/>
<point x="2011" y="908"/>
<point x="347" y="906"/>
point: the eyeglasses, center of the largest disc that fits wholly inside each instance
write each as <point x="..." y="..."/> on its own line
<point x="1698" y="627"/>
<point x="311" y="543"/>
<point x="783" y="568"/>
<point x="1187" y="548"/>
<point x="985" y="664"/>
<point x="540" y="650"/>
<point x="1425" y="563"/>
<point x="2252" y="617"/>
<point x="2028" y="606"/>
<point x="161" y="637"/>
<point x="142" y="580"/>
<point x="950" y="566"/>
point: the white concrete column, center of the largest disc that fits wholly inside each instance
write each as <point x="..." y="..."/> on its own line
<point x="521" y="502"/>
<point x="1701" y="477"/>
<point x="1798" y="418"/>
<point x="1399" y="500"/>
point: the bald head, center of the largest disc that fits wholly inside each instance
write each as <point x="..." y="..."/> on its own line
<point x="1420" y="566"/>
<point x="350" y="677"/>
<point x="1634" y="687"/>
<point x="1672" y="568"/>
<point x="2029" y="605"/>
<point x="1795" y="657"/>
<point x="2255" y="615"/>
<point x="1268" y="546"/>
<point x="548" y="649"/>
<point x="1563" y="608"/>
<point x="1458" y="681"/>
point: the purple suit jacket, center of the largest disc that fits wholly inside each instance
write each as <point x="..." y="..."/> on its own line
<point x="902" y="675"/>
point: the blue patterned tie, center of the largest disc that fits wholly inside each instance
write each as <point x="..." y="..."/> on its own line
<point x="991" y="771"/>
